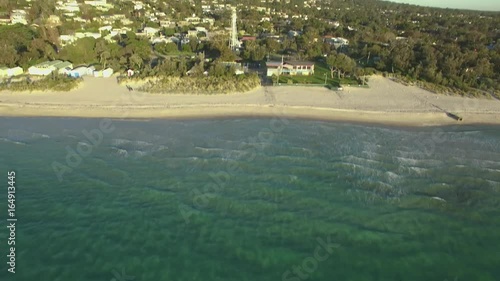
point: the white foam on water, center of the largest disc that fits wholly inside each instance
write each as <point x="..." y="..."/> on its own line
<point x="407" y="161"/>
<point x="11" y="141"/>
<point x="140" y="153"/>
<point x="392" y="177"/>
<point x="372" y="154"/>
<point x="492" y="170"/>
<point x="361" y="160"/>
<point x="209" y="149"/>
<point x="161" y="147"/>
<point x="43" y="136"/>
<point x="120" y="141"/>
<point x="120" y="152"/>
<point x="142" y="143"/>
<point x="360" y="168"/>
<point x="419" y="170"/>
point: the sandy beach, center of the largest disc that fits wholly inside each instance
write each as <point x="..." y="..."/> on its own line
<point x="385" y="102"/>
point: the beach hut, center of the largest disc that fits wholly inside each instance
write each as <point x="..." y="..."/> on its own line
<point x="98" y="73"/>
<point x="65" y="71"/>
<point x="107" y="72"/>
<point x="3" y="71"/>
<point x="90" y="70"/>
<point x="46" y="68"/>
<point x="62" y="64"/>
<point x="14" y="71"/>
<point x="78" y="72"/>
<point x="42" y="69"/>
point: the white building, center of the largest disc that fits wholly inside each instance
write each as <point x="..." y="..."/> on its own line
<point x="66" y="39"/>
<point x="18" y="16"/>
<point x="46" y="68"/>
<point x="9" y="72"/>
<point x="78" y="72"/>
<point x="104" y="73"/>
<point x="79" y="35"/>
<point x="69" y="6"/>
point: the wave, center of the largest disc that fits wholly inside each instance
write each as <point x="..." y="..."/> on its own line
<point x="419" y="170"/>
<point x="42" y="136"/>
<point x="120" y="141"/>
<point x="120" y="152"/>
<point x="361" y="168"/>
<point x="12" y="141"/>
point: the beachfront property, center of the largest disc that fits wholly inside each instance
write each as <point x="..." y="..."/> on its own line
<point x="46" y="68"/>
<point x="290" y="68"/>
<point x="9" y="72"/>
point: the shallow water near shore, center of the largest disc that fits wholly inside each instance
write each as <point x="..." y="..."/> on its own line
<point x="251" y="199"/>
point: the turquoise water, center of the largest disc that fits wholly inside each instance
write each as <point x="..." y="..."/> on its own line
<point x="251" y="199"/>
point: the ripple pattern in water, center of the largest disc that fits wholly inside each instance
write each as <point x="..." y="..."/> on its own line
<point x="233" y="200"/>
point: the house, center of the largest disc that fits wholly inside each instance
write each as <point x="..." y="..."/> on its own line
<point x="130" y="72"/>
<point x="248" y="38"/>
<point x="167" y="23"/>
<point x="273" y="68"/>
<point x="66" y="39"/>
<point x="79" y="35"/>
<point x="18" y="16"/>
<point x="150" y="31"/>
<point x="155" y="40"/>
<point x="105" y="28"/>
<point x="100" y="5"/>
<point x="201" y="29"/>
<point x="69" y="7"/>
<point x="336" y="41"/>
<point x="192" y="33"/>
<point x="290" y="68"/>
<point x="193" y="20"/>
<point x="210" y="21"/>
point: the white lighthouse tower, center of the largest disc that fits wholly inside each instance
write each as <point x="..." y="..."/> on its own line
<point x="233" y="41"/>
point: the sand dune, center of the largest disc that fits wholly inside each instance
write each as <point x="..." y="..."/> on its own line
<point x="384" y="102"/>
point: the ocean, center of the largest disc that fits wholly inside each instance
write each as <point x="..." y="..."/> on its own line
<point x="249" y="199"/>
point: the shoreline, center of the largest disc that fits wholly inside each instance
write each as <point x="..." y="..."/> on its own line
<point x="385" y="102"/>
<point x="398" y="118"/>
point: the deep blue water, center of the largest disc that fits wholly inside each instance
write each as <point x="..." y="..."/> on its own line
<point x="250" y="199"/>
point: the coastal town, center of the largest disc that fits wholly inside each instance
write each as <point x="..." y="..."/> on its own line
<point x="330" y="43"/>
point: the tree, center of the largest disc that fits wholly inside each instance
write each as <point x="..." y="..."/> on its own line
<point x="8" y="55"/>
<point x="341" y="64"/>
<point x="166" y="48"/>
<point x="136" y="61"/>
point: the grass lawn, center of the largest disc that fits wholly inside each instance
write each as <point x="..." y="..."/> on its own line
<point x="320" y="69"/>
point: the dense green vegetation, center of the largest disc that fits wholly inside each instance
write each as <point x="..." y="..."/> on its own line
<point x="203" y="85"/>
<point x="453" y="50"/>
<point x="58" y="83"/>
